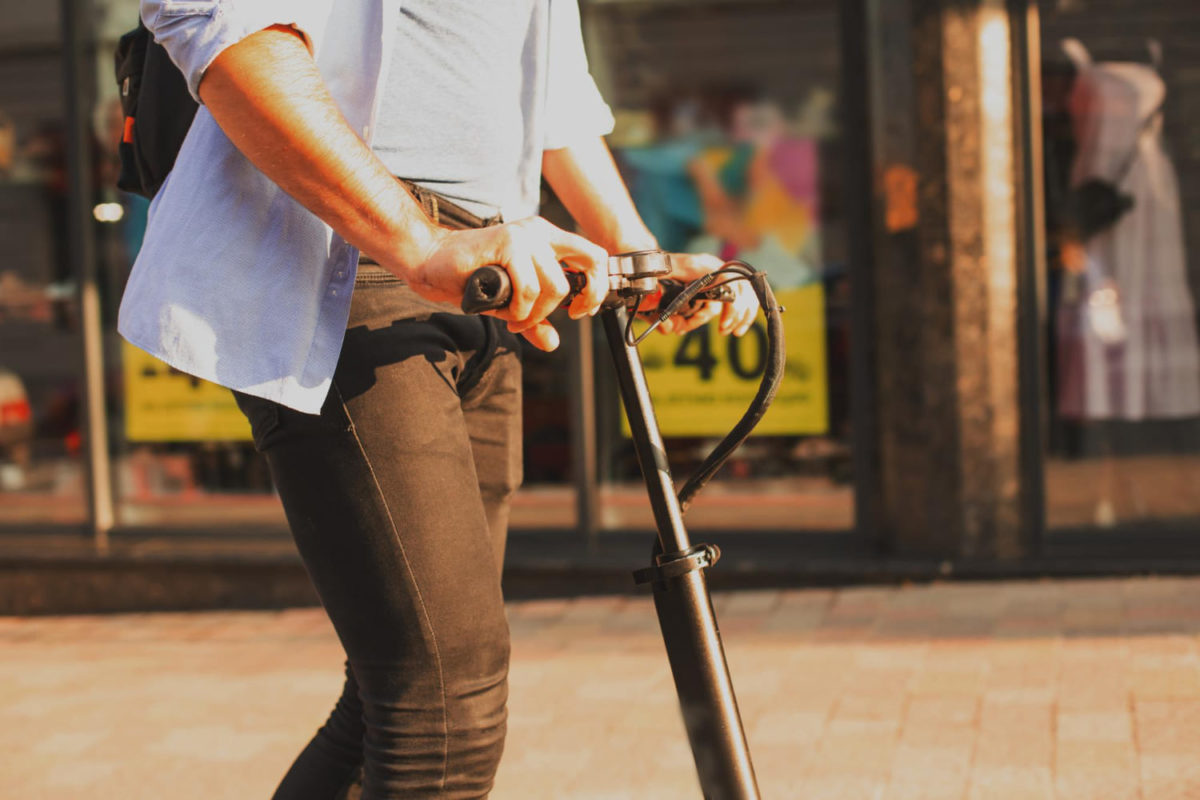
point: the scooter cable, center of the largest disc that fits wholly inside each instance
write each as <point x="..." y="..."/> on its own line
<point x="772" y="374"/>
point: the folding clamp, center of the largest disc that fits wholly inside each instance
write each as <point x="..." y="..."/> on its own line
<point x="678" y="563"/>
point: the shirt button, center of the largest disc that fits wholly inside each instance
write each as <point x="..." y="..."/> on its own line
<point x="333" y="292"/>
<point x="341" y="273"/>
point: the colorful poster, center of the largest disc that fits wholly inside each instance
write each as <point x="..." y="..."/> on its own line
<point x="749" y="189"/>
<point x="703" y="382"/>
<point x="163" y="404"/>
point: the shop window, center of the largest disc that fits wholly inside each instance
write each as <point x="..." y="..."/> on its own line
<point x="726" y="135"/>
<point x="1122" y="184"/>
<point x="41" y="469"/>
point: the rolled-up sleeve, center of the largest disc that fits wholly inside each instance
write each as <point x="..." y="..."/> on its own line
<point x="194" y="32"/>
<point x="575" y="111"/>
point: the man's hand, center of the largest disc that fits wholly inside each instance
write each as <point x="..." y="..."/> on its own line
<point x="532" y="252"/>
<point x="736" y="317"/>
<point x="587" y="182"/>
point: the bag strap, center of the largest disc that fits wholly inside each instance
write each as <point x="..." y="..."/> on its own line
<point x="1143" y="129"/>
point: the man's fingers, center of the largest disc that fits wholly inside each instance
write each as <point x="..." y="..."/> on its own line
<point x="530" y="251"/>
<point x="729" y="320"/>
<point x="594" y="291"/>
<point x="730" y="314"/>
<point x="553" y="287"/>
<point x="748" y="303"/>
<point x="704" y="313"/>
<point x="586" y="257"/>
<point x="738" y="316"/>
<point x="542" y="336"/>
<point x="526" y="286"/>
<point x="747" y="324"/>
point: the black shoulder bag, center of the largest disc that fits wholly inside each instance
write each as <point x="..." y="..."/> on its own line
<point x="158" y="111"/>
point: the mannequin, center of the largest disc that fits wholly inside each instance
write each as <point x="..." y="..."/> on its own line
<point x="1127" y="333"/>
<point x="1126" y="324"/>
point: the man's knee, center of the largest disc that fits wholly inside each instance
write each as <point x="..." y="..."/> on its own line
<point x="442" y="727"/>
<point x="476" y="681"/>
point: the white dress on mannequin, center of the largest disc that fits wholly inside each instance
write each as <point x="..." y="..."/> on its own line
<point x="1147" y="364"/>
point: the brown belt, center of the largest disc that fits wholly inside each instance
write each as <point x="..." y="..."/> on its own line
<point x="442" y="211"/>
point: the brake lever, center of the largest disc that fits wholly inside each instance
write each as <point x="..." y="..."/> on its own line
<point x="671" y="288"/>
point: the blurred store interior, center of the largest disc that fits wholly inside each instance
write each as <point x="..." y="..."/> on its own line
<point x="983" y="218"/>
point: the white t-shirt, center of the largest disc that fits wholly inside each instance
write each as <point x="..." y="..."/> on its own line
<point x="476" y="90"/>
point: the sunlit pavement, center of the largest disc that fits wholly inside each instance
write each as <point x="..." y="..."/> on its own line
<point x="1013" y="690"/>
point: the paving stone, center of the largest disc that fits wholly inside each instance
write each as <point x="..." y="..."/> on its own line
<point x="842" y="788"/>
<point x="1170" y="777"/>
<point x="940" y="681"/>
<point x="754" y="604"/>
<point x="1166" y="728"/>
<point x="786" y="727"/>
<point x="1010" y="783"/>
<point x="1016" y="740"/>
<point x="1096" y="726"/>
<point x="852" y="755"/>
<point x="939" y="767"/>
<point x="870" y="704"/>
<point x="937" y="710"/>
<point x="1098" y="784"/>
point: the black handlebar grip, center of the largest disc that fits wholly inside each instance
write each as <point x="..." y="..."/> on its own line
<point x="488" y="289"/>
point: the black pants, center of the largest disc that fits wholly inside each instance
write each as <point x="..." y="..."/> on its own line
<point x="397" y="495"/>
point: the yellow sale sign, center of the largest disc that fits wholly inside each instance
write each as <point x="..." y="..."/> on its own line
<point x="703" y="382"/>
<point x="163" y="404"/>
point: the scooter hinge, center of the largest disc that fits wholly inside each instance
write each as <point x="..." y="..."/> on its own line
<point x="679" y="563"/>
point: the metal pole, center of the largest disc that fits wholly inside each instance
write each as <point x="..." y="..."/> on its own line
<point x="583" y="433"/>
<point x="858" y="176"/>
<point x="1031" y="278"/>
<point x="685" y="612"/>
<point x="76" y="15"/>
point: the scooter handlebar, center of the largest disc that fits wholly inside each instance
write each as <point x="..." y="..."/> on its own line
<point x="489" y="289"/>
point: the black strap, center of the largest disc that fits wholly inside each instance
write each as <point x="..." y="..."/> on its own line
<point x="1143" y="129"/>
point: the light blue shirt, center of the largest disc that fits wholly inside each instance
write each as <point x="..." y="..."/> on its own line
<point x="236" y="282"/>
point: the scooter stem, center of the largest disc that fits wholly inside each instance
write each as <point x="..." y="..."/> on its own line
<point x="681" y="598"/>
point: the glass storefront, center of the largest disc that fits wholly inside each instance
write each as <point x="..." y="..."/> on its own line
<point x="726" y="134"/>
<point x="1122" y="185"/>
<point x="41" y="465"/>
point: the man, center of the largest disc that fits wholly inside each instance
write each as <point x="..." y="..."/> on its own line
<point x="394" y="444"/>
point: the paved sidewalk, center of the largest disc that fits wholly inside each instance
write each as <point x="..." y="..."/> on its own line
<point x="1014" y="690"/>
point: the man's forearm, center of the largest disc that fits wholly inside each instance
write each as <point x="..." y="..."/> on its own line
<point x="587" y="182"/>
<point x="268" y="97"/>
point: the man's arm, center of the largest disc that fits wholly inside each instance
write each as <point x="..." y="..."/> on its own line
<point x="587" y="181"/>
<point x="268" y="97"/>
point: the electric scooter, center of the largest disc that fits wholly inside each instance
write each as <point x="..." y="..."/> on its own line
<point x="676" y="574"/>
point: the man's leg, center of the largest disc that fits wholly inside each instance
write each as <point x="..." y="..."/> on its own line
<point x="384" y="503"/>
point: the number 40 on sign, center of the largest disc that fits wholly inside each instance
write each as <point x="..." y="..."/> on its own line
<point x="703" y="382"/>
